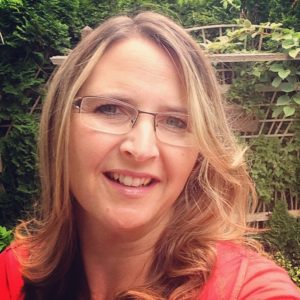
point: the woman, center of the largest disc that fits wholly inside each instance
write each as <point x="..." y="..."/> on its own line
<point x="144" y="189"/>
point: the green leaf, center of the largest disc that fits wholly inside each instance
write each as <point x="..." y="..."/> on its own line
<point x="276" y="67"/>
<point x="277" y="111"/>
<point x="276" y="82"/>
<point x="275" y="25"/>
<point x="284" y="73"/>
<point x="247" y="24"/>
<point x="243" y="37"/>
<point x="276" y="36"/>
<point x="223" y="39"/>
<point x="294" y="52"/>
<point x="289" y="111"/>
<point x="287" y="44"/>
<point x="288" y="35"/>
<point x="256" y="73"/>
<point x="283" y="100"/>
<point x="296" y="98"/>
<point x="287" y="87"/>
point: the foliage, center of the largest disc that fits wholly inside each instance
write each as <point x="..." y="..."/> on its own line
<point x="274" y="166"/>
<point x="256" y="10"/>
<point x="201" y="13"/>
<point x="253" y="77"/>
<point x="187" y="12"/>
<point x="250" y="37"/>
<point x="282" y="76"/>
<point x="283" y="239"/>
<point x="5" y="237"/>
<point x="6" y="3"/>
<point x="285" y="12"/>
<point x="292" y="269"/>
<point x="19" y="175"/>
<point x="235" y="4"/>
<point x="32" y="32"/>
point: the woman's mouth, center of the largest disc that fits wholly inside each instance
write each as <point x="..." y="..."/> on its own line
<point x="129" y="181"/>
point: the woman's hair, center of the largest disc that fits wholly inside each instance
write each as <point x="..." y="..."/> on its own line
<point x="216" y="197"/>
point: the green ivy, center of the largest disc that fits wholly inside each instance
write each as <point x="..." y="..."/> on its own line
<point x="5" y="237"/>
<point x="281" y="76"/>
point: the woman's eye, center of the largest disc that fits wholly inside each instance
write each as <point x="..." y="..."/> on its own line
<point x="108" y="109"/>
<point x="175" y="122"/>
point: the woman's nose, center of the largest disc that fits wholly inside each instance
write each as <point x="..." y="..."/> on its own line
<point x="141" y="142"/>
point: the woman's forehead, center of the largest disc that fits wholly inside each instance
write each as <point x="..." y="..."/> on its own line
<point x="135" y="65"/>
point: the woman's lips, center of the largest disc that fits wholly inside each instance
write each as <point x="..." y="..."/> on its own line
<point x="128" y="180"/>
<point x="131" y="183"/>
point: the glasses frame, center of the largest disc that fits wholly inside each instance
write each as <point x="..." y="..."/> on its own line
<point x="78" y="102"/>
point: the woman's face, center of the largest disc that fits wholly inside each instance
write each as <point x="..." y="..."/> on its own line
<point x="130" y="182"/>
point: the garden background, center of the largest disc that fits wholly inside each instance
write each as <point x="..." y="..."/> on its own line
<point x="263" y="93"/>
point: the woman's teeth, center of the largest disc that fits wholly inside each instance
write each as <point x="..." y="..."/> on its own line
<point x="130" y="181"/>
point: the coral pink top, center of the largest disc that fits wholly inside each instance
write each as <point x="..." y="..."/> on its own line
<point x="239" y="274"/>
<point x="11" y="281"/>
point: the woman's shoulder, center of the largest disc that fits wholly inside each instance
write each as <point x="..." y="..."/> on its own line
<point x="240" y="273"/>
<point x="11" y="281"/>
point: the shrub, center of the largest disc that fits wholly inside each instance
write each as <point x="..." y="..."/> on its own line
<point x="274" y="166"/>
<point x="284" y="237"/>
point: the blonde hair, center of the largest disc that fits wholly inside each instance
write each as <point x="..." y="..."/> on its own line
<point x="214" y="203"/>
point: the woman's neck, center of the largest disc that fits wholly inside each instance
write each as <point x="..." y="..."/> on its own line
<point x="111" y="274"/>
<point x="115" y="262"/>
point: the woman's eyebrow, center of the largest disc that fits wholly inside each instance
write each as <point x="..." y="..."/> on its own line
<point x="117" y="97"/>
<point x="129" y="100"/>
<point x="173" y="108"/>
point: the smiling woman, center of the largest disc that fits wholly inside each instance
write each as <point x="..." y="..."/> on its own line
<point x="125" y="147"/>
<point x="144" y="189"/>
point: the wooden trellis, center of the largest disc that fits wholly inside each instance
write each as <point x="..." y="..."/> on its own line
<point x="224" y="64"/>
<point x="254" y="126"/>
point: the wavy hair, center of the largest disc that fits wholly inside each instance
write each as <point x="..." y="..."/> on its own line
<point x="216" y="198"/>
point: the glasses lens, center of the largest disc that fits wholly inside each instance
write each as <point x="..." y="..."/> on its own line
<point x="174" y="129"/>
<point x="116" y="117"/>
<point x="107" y="115"/>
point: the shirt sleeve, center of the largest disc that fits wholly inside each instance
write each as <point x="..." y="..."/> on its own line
<point x="267" y="281"/>
<point x="241" y="274"/>
<point x="11" y="281"/>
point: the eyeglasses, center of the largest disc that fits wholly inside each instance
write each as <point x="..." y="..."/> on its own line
<point x="117" y="117"/>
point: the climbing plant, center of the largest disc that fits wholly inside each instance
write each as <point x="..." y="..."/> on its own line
<point x="282" y="76"/>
